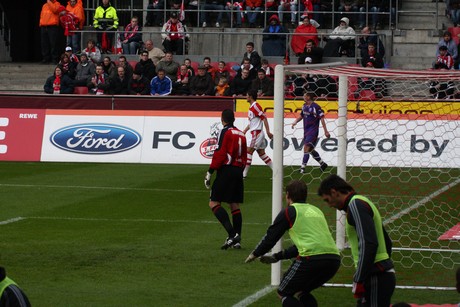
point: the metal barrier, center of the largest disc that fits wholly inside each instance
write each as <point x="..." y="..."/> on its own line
<point x="329" y="13"/>
<point x="230" y="45"/>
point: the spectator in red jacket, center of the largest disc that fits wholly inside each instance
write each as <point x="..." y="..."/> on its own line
<point x="302" y="34"/>
<point x="444" y="60"/>
<point x="70" y="23"/>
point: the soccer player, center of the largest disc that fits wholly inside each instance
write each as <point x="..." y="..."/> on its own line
<point x="257" y="120"/>
<point x="311" y="114"/>
<point x="10" y="293"/>
<point x="374" y="280"/>
<point x="317" y="257"/>
<point x="228" y="160"/>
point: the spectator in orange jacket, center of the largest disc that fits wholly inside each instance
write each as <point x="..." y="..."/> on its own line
<point x="76" y="7"/>
<point x="49" y="31"/>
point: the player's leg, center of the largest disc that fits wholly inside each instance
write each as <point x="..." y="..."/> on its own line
<point x="307" y="299"/>
<point x="291" y="284"/>
<point x="316" y="273"/>
<point x="222" y="216"/>
<point x="379" y="289"/>
<point x="323" y="165"/>
<point x="265" y="158"/>
<point x="219" y="194"/>
<point x="250" y="151"/>
<point x="234" y="195"/>
<point x="307" y="148"/>
<point x="237" y="219"/>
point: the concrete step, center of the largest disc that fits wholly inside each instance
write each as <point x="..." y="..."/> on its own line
<point x="425" y="6"/>
<point x="24" y="77"/>
<point x="22" y="88"/>
<point x="416" y="36"/>
<point x="412" y="63"/>
<point x="411" y="21"/>
<point x="421" y="50"/>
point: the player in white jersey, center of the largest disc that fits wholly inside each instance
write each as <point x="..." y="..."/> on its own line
<point x="257" y="120"/>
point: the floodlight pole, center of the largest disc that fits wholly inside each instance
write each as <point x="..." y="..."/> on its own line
<point x="342" y="154"/>
<point x="277" y="183"/>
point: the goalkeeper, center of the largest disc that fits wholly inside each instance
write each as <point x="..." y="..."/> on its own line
<point x="311" y="114"/>
<point x="229" y="160"/>
<point x="374" y="280"/>
<point x="317" y="257"/>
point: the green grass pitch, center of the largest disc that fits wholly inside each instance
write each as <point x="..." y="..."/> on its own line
<point x="80" y="234"/>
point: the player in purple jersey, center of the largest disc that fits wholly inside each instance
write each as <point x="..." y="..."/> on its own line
<point x="311" y="114"/>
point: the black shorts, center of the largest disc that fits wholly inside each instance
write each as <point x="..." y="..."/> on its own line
<point x="307" y="275"/>
<point x="228" y="186"/>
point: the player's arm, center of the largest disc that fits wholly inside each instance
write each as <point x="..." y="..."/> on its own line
<point x="246" y="129"/>
<point x="218" y="158"/>
<point x="323" y="123"/>
<point x="298" y="119"/>
<point x="288" y="253"/>
<point x="267" y="128"/>
<point x="280" y="225"/>
<point x="360" y="215"/>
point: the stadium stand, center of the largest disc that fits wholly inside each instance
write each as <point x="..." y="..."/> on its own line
<point x="406" y="49"/>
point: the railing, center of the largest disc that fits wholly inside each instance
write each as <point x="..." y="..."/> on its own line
<point x="329" y="16"/>
<point x="230" y="46"/>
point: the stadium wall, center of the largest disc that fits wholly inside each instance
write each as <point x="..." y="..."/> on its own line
<point x="119" y="102"/>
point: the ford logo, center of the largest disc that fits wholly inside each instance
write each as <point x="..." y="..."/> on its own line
<point x="95" y="138"/>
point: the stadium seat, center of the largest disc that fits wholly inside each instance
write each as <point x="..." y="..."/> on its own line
<point x="80" y="90"/>
<point x="232" y="74"/>
<point x="352" y="87"/>
<point x="230" y="66"/>
<point x="454" y="31"/>
<point x="133" y="64"/>
<point x="195" y="66"/>
<point x="367" y="95"/>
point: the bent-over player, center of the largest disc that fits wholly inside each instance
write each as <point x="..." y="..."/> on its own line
<point x="374" y="280"/>
<point x="317" y="257"/>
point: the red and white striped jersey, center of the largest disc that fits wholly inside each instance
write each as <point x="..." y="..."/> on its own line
<point x="256" y="117"/>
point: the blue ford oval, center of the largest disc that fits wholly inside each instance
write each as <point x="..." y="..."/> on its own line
<point x="95" y="138"/>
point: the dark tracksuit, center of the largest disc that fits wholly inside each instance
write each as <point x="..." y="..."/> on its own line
<point x="379" y="274"/>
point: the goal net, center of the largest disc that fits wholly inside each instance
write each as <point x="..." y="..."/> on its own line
<point x="395" y="135"/>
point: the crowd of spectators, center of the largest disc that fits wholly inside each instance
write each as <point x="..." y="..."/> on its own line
<point x="173" y="20"/>
<point x="100" y="75"/>
<point x="156" y="72"/>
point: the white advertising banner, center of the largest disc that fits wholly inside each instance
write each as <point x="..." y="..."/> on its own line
<point x="92" y="138"/>
<point x="190" y="138"/>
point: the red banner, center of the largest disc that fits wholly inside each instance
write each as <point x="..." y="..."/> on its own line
<point x="21" y="132"/>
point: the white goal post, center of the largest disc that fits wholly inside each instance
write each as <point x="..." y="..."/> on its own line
<point x="404" y="130"/>
<point x="278" y="173"/>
